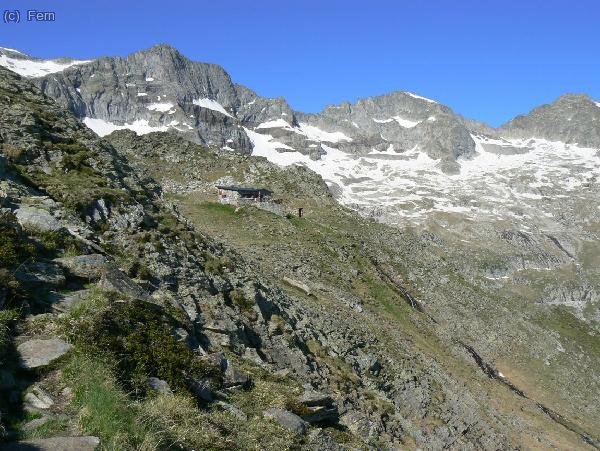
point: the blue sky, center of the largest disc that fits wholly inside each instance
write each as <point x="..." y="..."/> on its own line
<point x="488" y="60"/>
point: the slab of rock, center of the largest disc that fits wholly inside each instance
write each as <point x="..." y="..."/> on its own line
<point x="297" y="284"/>
<point x="37" y="352"/>
<point x="36" y="399"/>
<point x="40" y="273"/>
<point x="287" y="419"/>
<point x="37" y="219"/>
<point x="36" y="423"/>
<point x="116" y="280"/>
<point x="54" y="444"/>
<point x="89" y="267"/>
<point x="233" y="410"/>
<point x="313" y="398"/>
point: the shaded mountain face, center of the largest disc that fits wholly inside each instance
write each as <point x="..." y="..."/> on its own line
<point x="573" y="119"/>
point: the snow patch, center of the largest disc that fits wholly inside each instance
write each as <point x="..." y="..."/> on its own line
<point x="277" y="123"/>
<point x="420" y="97"/>
<point x="103" y="128"/>
<point x="33" y="69"/>
<point x="316" y="134"/>
<point x="162" y="107"/>
<point x="211" y="105"/>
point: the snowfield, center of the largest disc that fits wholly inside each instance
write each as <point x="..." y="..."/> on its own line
<point x="502" y="180"/>
<point x="35" y="68"/>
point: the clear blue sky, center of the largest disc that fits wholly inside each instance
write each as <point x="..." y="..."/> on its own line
<point x="488" y="60"/>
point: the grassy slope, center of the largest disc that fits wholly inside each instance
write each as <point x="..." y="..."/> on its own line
<point x="315" y="240"/>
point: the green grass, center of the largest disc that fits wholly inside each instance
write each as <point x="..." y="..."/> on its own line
<point x="138" y="337"/>
<point x="52" y="428"/>
<point x="14" y="249"/>
<point x="103" y="408"/>
<point x="572" y="330"/>
<point x="7" y="317"/>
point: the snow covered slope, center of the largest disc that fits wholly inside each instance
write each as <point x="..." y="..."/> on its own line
<point x="29" y="67"/>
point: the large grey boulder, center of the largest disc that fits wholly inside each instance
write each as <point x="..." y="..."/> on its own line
<point x="86" y="443"/>
<point x="37" y="352"/>
<point x="90" y="267"/>
<point x="37" y="219"/>
<point x="234" y="377"/>
<point x="287" y="419"/>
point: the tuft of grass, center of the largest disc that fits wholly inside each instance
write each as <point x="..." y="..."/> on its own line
<point x="104" y="410"/>
<point x="7" y="317"/>
<point x="14" y="250"/>
<point x="139" y="337"/>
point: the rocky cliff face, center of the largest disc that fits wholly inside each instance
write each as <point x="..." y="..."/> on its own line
<point x="159" y="89"/>
<point x="573" y="119"/>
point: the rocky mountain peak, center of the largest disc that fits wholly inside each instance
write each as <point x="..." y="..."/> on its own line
<point x="572" y="118"/>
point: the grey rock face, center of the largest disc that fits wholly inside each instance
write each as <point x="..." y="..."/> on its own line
<point x="162" y="89"/>
<point x="36" y="352"/>
<point x="159" y="86"/>
<point x="287" y="419"/>
<point x="571" y="119"/>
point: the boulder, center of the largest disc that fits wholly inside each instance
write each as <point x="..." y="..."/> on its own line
<point x="322" y="415"/>
<point x="233" y="377"/>
<point x="159" y="385"/>
<point x="37" y="353"/>
<point x="299" y="285"/>
<point x="287" y="419"/>
<point x="33" y="218"/>
<point x="116" y="280"/>
<point x="89" y="267"/>
<point x="54" y="444"/>
<point x="40" y="273"/>
<point x="313" y="398"/>
<point x="201" y="388"/>
<point x="36" y="399"/>
<point x="233" y="410"/>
